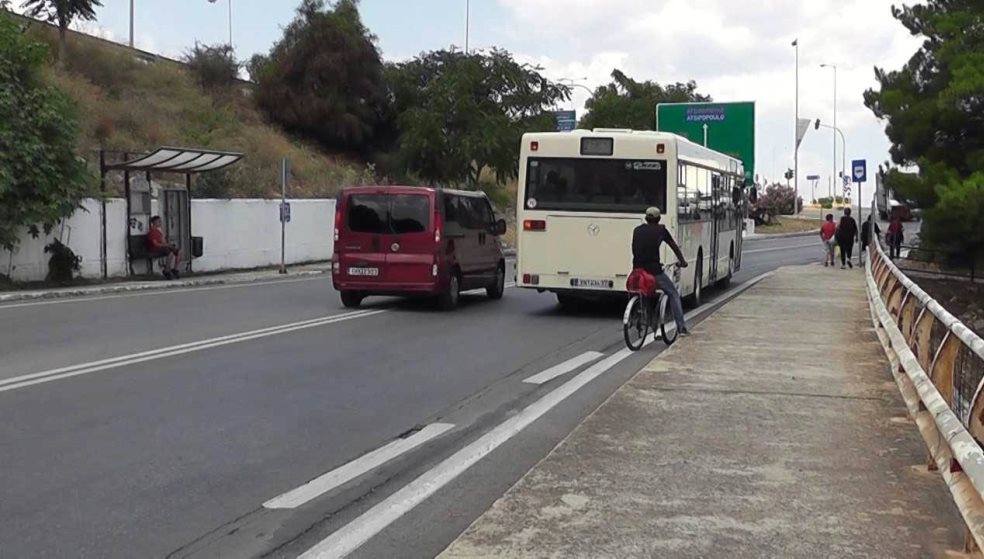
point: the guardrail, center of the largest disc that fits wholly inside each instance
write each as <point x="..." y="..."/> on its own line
<point x="938" y="365"/>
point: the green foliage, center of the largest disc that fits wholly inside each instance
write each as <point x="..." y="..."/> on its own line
<point x="41" y="179"/>
<point x="777" y="199"/>
<point x="214" y="67"/>
<point x="324" y="79"/>
<point x="461" y="113"/>
<point x="934" y="108"/>
<point x="956" y="220"/>
<point x="626" y="103"/>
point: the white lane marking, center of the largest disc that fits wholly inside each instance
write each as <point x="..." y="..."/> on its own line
<point x="346" y="473"/>
<point x="354" y="534"/>
<point x="565" y="367"/>
<point x="161" y="291"/>
<point x="351" y="536"/>
<point x="776" y="249"/>
<point x="102" y="365"/>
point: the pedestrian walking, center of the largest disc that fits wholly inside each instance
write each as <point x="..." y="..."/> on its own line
<point x="827" y="231"/>
<point x="846" y="235"/>
<point x="866" y="228"/>
<point x="894" y="237"/>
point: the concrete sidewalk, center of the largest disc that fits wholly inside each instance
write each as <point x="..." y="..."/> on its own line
<point x="774" y="431"/>
<point x="122" y="285"/>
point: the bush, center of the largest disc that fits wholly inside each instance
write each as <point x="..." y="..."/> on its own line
<point x="214" y="67"/>
<point x="63" y="262"/>
<point x="777" y="199"/>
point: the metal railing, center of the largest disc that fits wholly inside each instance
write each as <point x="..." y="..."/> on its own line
<point x="938" y="364"/>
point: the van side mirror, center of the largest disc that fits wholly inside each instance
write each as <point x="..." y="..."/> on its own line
<point x="499" y="228"/>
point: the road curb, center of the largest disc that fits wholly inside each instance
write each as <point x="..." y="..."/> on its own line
<point x="154" y="286"/>
<point x="766" y="237"/>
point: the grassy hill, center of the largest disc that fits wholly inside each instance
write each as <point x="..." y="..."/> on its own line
<point x="129" y="104"/>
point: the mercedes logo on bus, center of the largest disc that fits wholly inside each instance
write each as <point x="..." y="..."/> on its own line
<point x="593" y="229"/>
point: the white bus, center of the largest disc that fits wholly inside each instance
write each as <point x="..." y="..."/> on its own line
<point x="582" y="193"/>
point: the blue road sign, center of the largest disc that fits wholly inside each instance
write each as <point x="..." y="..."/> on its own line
<point x="285" y="212"/>
<point x="859" y="170"/>
<point x="566" y="120"/>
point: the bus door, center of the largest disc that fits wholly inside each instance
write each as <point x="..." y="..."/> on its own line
<point x="716" y="216"/>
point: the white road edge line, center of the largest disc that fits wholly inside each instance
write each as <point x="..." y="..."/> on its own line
<point x="362" y="465"/>
<point x="564" y="368"/>
<point x="776" y="249"/>
<point x="357" y="532"/>
<point x="161" y="291"/>
<point x="96" y="366"/>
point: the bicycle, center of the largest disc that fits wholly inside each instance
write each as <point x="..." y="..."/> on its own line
<point x="646" y="312"/>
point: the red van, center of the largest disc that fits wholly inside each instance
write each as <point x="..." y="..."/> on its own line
<point x="407" y="240"/>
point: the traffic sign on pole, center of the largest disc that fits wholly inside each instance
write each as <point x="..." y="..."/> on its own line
<point x="859" y="170"/>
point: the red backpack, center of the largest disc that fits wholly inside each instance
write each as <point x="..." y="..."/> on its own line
<point x="641" y="282"/>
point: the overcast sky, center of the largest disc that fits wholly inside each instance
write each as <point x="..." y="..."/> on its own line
<point x="735" y="51"/>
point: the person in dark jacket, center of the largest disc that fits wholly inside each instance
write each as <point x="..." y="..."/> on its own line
<point x="895" y="237"/>
<point x="847" y="234"/>
<point x="866" y="235"/>
<point x="646" y="242"/>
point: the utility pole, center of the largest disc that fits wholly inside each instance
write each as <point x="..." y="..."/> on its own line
<point x="467" y="22"/>
<point x="131" y="24"/>
<point x="796" y="121"/>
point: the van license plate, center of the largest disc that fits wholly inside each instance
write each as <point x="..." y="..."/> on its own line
<point x="592" y="283"/>
<point x="363" y="272"/>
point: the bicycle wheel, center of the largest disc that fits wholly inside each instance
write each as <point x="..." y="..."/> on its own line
<point x="669" y="334"/>
<point x="635" y="324"/>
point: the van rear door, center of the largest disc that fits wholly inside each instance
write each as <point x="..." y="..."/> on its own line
<point x="363" y="243"/>
<point x="412" y="246"/>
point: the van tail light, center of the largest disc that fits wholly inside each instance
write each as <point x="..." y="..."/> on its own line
<point x="338" y="222"/>
<point x="534" y="225"/>
<point x="434" y="270"/>
<point x="336" y="266"/>
<point x="438" y="225"/>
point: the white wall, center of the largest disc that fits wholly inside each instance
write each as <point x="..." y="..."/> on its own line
<point x="237" y="234"/>
<point x="246" y="233"/>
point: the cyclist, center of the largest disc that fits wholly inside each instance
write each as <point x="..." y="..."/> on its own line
<point x="646" y="240"/>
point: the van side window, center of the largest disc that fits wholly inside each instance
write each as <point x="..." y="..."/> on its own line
<point x="452" y="210"/>
<point x="474" y="213"/>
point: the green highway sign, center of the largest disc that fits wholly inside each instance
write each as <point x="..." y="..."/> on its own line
<point x="725" y="127"/>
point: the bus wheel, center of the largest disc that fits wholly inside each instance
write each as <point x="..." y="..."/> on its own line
<point x="567" y="302"/>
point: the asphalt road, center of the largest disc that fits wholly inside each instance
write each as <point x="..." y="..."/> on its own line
<point x="159" y="424"/>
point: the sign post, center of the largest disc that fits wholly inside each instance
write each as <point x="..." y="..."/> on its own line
<point x="859" y="170"/>
<point x="284" y="214"/>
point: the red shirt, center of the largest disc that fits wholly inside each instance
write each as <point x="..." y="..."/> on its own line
<point x="827" y="230"/>
<point x="895" y="227"/>
<point x="155" y="239"/>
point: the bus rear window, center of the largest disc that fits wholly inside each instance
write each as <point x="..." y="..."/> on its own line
<point x="595" y="185"/>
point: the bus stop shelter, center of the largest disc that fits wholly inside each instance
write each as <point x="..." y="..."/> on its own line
<point x="172" y="160"/>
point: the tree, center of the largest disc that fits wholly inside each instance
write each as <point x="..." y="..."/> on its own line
<point x="324" y="79"/>
<point x="626" y="103"/>
<point x="215" y="67"/>
<point x="62" y="13"/>
<point x="934" y="111"/>
<point x="461" y="113"/>
<point x="41" y="179"/>
<point x="777" y="199"/>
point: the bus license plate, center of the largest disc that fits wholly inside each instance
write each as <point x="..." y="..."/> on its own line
<point x="363" y="272"/>
<point x="592" y="283"/>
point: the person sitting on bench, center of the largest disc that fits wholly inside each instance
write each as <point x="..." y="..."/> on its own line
<point x="158" y="247"/>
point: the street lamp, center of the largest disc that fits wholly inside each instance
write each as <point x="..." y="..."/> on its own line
<point x="836" y="131"/>
<point x="573" y="83"/>
<point x="796" y="121"/>
<point x="467" y="22"/>
<point x="230" y="19"/>
<point x="834" y="160"/>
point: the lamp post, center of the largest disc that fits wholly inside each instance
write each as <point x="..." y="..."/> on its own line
<point x="230" y="19"/>
<point x="467" y="22"/>
<point x="573" y="83"/>
<point x="131" y="24"/>
<point x="796" y="123"/>
<point x="834" y="160"/>
<point x="843" y="147"/>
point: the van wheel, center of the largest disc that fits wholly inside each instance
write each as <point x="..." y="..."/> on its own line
<point x="498" y="286"/>
<point x="352" y="299"/>
<point x="448" y="301"/>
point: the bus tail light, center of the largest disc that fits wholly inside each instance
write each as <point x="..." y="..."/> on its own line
<point x="534" y="146"/>
<point x="338" y="223"/>
<point x="534" y="225"/>
<point x="660" y="148"/>
<point x="531" y="279"/>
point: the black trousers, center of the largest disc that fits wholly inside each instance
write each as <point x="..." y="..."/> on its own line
<point x="847" y="250"/>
